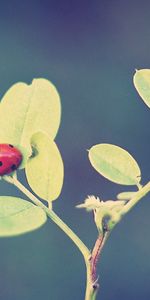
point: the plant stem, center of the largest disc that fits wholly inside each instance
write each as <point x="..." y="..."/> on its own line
<point x="92" y="283"/>
<point x="91" y="287"/>
<point x="52" y="215"/>
<point x="92" y="278"/>
<point x="140" y="194"/>
<point x="96" y="254"/>
<point x="91" y="258"/>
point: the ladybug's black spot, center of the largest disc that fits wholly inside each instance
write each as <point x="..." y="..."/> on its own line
<point x="1" y="163"/>
<point x="13" y="167"/>
<point x="11" y="146"/>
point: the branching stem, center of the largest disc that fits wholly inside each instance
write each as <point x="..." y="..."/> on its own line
<point x="91" y="258"/>
<point x="143" y="191"/>
<point x="92" y="280"/>
<point x="52" y="215"/>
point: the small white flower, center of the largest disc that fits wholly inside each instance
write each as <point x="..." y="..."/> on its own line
<point x="90" y="203"/>
<point x="102" y="209"/>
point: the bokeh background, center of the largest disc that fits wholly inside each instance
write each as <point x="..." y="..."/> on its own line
<point x="89" y="50"/>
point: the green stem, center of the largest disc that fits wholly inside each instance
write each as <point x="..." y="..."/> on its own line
<point x="140" y="194"/>
<point x="90" y="292"/>
<point x="91" y="286"/>
<point x="52" y="215"/>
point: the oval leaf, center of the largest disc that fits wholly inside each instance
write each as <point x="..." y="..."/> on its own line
<point x="142" y="84"/>
<point x="26" y="109"/>
<point x="18" y="216"/>
<point x="45" y="170"/>
<point x="115" y="163"/>
<point x="25" y="156"/>
<point x="126" y="195"/>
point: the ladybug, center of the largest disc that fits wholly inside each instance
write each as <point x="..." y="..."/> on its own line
<point x="10" y="158"/>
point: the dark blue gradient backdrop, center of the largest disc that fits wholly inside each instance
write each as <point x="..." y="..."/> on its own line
<point x="89" y="50"/>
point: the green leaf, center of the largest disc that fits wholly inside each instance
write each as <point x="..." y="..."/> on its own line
<point x="142" y="84"/>
<point x="115" y="163"/>
<point x="126" y="195"/>
<point x="25" y="156"/>
<point x="18" y="216"/>
<point x="45" y="170"/>
<point x="26" y="109"/>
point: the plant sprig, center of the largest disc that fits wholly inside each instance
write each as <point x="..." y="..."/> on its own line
<point x="32" y="122"/>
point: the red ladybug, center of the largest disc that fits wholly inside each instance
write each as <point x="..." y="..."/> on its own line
<point x="10" y="158"/>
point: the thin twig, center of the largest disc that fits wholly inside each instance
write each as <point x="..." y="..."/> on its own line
<point x="96" y="255"/>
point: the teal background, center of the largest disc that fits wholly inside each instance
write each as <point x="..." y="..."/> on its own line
<point x="89" y="50"/>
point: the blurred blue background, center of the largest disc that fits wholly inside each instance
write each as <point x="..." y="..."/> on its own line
<point x="89" y="50"/>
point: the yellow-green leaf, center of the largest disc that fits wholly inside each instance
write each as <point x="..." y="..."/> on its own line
<point x="115" y="163"/>
<point x="142" y="84"/>
<point x="26" y="109"/>
<point x="126" y="195"/>
<point x="45" y="170"/>
<point x="25" y="156"/>
<point x="18" y="216"/>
